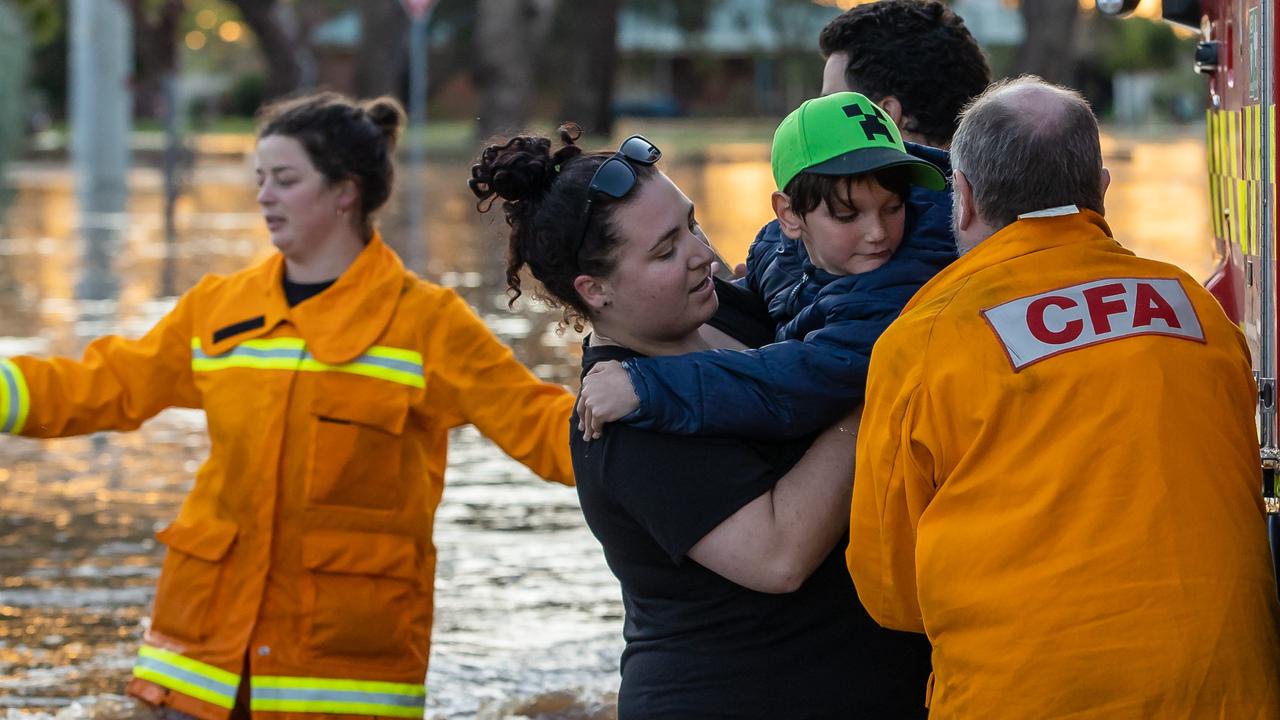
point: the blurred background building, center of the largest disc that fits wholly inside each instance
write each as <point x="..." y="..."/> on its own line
<point x="511" y="62"/>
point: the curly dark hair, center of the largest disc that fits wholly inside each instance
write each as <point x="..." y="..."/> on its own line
<point x="544" y="195"/>
<point x="344" y="139"/>
<point x="918" y="51"/>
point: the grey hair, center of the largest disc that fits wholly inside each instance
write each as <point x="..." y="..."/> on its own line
<point x="1028" y="151"/>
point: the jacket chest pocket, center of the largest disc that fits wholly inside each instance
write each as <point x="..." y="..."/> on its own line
<point x="356" y="447"/>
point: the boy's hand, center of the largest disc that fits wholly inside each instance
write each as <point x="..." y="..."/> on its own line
<point x="606" y="396"/>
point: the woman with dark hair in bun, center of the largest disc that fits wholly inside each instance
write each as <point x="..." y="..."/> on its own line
<point x="729" y="551"/>
<point x="298" y="575"/>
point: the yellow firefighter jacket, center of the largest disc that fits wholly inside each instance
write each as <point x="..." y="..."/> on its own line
<point x="1057" y="481"/>
<point x="305" y="544"/>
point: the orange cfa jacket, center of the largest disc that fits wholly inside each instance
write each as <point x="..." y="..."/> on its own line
<point x="305" y="544"/>
<point x="1058" y="482"/>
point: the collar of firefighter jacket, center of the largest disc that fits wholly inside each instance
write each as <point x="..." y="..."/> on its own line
<point x="1020" y="238"/>
<point x="338" y="324"/>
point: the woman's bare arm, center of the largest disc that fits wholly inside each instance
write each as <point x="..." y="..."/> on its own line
<point x="774" y="543"/>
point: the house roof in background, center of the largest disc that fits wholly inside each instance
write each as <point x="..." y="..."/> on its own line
<point x="992" y="22"/>
<point x="734" y="27"/>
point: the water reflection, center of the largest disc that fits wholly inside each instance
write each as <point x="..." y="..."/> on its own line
<point x="528" y="617"/>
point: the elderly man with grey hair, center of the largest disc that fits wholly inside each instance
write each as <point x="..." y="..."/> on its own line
<point x="1057" y="477"/>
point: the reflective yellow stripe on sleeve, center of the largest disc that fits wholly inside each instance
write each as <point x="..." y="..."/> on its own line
<point x="340" y="696"/>
<point x="15" y="398"/>
<point x="189" y="677"/>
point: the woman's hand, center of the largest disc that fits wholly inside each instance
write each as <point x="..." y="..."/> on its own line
<point x="606" y="396"/>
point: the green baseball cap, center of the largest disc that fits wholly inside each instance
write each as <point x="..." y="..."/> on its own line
<point x="844" y="134"/>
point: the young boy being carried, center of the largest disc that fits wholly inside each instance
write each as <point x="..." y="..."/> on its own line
<point x="849" y="191"/>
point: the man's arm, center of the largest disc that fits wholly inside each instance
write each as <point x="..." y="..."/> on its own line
<point x="895" y="483"/>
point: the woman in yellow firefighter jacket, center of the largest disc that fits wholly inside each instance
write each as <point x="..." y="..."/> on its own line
<point x="299" y="572"/>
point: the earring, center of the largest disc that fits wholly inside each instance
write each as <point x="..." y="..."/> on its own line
<point x="607" y="302"/>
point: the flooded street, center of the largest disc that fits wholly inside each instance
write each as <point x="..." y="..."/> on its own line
<point x="528" y="617"/>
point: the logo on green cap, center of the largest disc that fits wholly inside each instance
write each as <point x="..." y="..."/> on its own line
<point x="843" y="134"/>
<point x="873" y="123"/>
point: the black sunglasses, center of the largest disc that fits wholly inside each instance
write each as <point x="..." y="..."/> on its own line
<point x="615" y="177"/>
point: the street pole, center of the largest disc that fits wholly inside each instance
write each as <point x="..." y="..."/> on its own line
<point x="101" y="116"/>
<point x="416" y="247"/>
<point x="172" y="150"/>
<point x="418" y="143"/>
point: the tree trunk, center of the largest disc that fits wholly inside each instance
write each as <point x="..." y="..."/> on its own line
<point x="1049" y="47"/>
<point x="508" y="39"/>
<point x="381" y="56"/>
<point x="156" y="43"/>
<point x="279" y="44"/>
<point x="591" y="38"/>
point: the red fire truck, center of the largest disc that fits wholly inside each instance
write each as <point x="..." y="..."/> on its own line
<point x="1237" y="54"/>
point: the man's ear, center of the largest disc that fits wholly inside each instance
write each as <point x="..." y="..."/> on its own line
<point x="964" y="209"/>
<point x="1106" y="182"/>
<point x="593" y="291"/>
<point x="790" y="221"/>
<point x="892" y="108"/>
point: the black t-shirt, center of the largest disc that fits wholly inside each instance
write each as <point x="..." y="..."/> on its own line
<point x="295" y="292"/>
<point x="742" y="315"/>
<point x="700" y="646"/>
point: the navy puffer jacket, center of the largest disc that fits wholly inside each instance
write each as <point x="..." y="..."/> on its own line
<point x="827" y="324"/>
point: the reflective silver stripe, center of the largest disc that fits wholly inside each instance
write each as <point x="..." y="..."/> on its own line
<point x="385" y="363"/>
<point x="400" y="365"/>
<point x="199" y="354"/>
<point x="348" y="696"/>
<point x="337" y="696"/>
<point x="187" y="676"/>
<point x="190" y="677"/>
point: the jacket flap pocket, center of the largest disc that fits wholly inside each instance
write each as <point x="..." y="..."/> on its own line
<point x="209" y="539"/>
<point x="360" y="553"/>
<point x="382" y="408"/>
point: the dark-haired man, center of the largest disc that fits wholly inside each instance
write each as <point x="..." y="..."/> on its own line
<point x="914" y="58"/>
<point x="917" y="61"/>
<point x="1057" y="476"/>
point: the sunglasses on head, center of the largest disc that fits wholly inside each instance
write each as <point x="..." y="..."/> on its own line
<point x="616" y="177"/>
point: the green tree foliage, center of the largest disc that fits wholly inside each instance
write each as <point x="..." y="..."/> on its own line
<point x="1131" y="44"/>
<point x="44" y="18"/>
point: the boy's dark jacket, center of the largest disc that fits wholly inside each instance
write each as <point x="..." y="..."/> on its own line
<point x="790" y="389"/>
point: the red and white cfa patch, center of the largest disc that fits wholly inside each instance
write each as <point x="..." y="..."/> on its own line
<point x="1040" y="326"/>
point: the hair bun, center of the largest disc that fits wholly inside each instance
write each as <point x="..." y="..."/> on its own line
<point x="521" y="169"/>
<point x="388" y="114"/>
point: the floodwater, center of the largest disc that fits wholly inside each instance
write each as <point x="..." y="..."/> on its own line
<point x="528" y="618"/>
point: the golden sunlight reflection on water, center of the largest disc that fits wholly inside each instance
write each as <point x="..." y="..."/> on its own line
<point x="1157" y="204"/>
